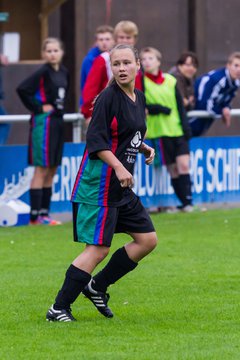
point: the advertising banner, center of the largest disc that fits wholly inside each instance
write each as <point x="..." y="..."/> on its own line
<point x="215" y="173"/>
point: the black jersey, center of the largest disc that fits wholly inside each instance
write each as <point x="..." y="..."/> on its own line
<point x="118" y="125"/>
<point x="45" y="86"/>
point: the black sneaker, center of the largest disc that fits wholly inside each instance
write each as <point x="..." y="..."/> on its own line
<point x="59" y="315"/>
<point x="99" y="300"/>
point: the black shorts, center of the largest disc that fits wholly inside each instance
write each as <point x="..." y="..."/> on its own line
<point x="96" y="225"/>
<point x="173" y="147"/>
<point x="46" y="140"/>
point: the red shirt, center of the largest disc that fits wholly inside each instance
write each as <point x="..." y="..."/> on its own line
<point x="158" y="79"/>
<point x="97" y="80"/>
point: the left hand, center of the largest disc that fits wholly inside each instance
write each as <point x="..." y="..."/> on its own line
<point x="148" y="152"/>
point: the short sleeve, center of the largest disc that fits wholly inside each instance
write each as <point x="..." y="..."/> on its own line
<point x="98" y="134"/>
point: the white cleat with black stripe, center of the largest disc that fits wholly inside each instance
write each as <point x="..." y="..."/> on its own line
<point x="99" y="300"/>
<point x="59" y="315"/>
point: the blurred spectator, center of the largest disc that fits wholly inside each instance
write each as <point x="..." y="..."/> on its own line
<point x="167" y="125"/>
<point x="103" y="42"/>
<point x="44" y="94"/>
<point x="4" y="128"/>
<point x="125" y="32"/>
<point x="185" y="71"/>
<point x="214" y="92"/>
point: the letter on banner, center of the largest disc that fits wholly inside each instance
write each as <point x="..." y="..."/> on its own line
<point x="210" y="170"/>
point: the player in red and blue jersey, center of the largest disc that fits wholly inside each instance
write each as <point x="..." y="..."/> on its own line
<point x="103" y="200"/>
<point x="44" y="94"/>
<point x="104" y="42"/>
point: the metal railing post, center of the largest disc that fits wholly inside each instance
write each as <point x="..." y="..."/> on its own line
<point x="77" y="120"/>
<point x="77" y="131"/>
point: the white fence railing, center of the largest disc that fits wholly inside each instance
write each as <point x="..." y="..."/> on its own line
<point x="78" y="120"/>
<point x="75" y="118"/>
<point x="206" y="114"/>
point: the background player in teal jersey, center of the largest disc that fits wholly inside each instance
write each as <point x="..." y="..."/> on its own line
<point x="44" y="94"/>
<point x="103" y="201"/>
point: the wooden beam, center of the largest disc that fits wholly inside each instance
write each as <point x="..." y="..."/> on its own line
<point x="43" y="20"/>
<point x="46" y="10"/>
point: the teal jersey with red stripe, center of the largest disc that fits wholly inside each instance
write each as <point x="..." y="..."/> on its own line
<point x="118" y="124"/>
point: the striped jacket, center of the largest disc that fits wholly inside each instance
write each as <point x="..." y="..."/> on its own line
<point x="215" y="90"/>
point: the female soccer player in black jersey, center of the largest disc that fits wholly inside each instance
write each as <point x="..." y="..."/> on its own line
<point x="103" y="202"/>
<point x="44" y="93"/>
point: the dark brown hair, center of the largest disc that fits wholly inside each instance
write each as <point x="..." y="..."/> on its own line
<point x="183" y="57"/>
<point x="103" y="29"/>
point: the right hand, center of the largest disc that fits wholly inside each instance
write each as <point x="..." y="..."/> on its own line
<point x="47" y="108"/>
<point x="126" y="179"/>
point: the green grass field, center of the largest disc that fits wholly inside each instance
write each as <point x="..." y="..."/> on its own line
<point x="182" y="301"/>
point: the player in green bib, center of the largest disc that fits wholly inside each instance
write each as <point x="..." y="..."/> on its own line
<point x="167" y="126"/>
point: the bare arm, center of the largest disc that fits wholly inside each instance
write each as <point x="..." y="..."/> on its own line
<point x="124" y="176"/>
<point x="226" y="115"/>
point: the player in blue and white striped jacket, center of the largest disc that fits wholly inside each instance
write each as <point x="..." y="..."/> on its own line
<point x="214" y="92"/>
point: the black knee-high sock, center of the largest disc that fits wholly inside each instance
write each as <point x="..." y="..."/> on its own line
<point x="35" y="203"/>
<point x="46" y="199"/>
<point x="185" y="187"/>
<point x="176" y="187"/>
<point x="118" y="266"/>
<point x="74" y="283"/>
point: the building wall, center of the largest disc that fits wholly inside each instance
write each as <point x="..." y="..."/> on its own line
<point x="210" y="27"/>
<point x="24" y="19"/>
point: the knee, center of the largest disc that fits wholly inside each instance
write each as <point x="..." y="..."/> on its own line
<point x="151" y="242"/>
<point x="40" y="173"/>
<point x="101" y="253"/>
<point x="154" y="241"/>
<point x="173" y="170"/>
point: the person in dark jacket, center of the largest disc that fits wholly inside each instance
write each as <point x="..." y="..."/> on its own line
<point x="185" y="71"/>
